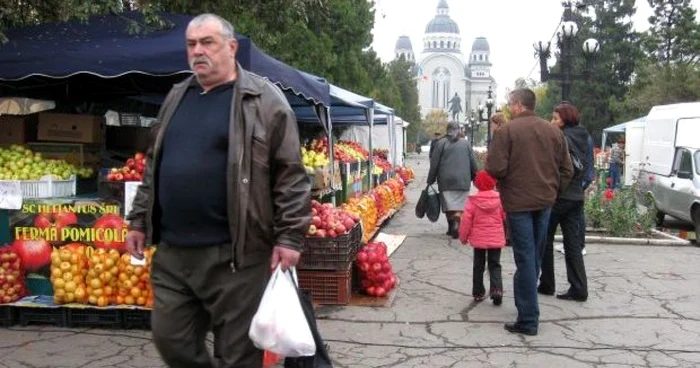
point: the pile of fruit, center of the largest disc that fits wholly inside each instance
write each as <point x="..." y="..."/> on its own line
<point x="20" y="163"/>
<point x="382" y="164"/>
<point x="349" y="151"/>
<point x="69" y="269"/>
<point x="131" y="171"/>
<point x="329" y="221"/>
<point x="384" y="199"/>
<point x="366" y="209"/>
<point x="313" y="159"/>
<point x="382" y="153"/>
<point x="134" y="286"/>
<point x="406" y="174"/>
<point x="376" y="274"/>
<point x="398" y="189"/>
<point x="12" y="286"/>
<point x="102" y="276"/>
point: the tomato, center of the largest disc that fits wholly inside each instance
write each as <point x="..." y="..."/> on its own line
<point x="34" y="254"/>
<point x="371" y="291"/>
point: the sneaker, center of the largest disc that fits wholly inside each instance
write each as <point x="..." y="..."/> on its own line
<point x="559" y="248"/>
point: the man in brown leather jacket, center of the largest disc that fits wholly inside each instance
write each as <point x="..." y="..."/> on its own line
<point x="225" y="197"/>
<point x="530" y="159"/>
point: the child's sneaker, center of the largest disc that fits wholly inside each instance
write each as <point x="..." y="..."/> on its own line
<point x="497" y="296"/>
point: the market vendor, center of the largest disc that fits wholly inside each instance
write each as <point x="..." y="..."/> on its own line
<point x="224" y="196"/>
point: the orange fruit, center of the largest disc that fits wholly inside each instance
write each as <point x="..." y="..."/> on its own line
<point x="140" y="301"/>
<point x="102" y="301"/>
<point x="135" y="292"/>
<point x="129" y="300"/>
<point x="119" y="299"/>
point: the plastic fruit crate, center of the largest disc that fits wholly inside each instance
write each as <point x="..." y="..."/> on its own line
<point x="335" y="254"/>
<point x="47" y="188"/>
<point x="327" y="287"/>
<point x="8" y="316"/>
<point x="54" y="316"/>
<point x="94" y="317"/>
<point x="137" y="319"/>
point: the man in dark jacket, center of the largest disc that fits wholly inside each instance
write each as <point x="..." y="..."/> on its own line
<point x="528" y="156"/>
<point x="568" y="212"/>
<point x="226" y="198"/>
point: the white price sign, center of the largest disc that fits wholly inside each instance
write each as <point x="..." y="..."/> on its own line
<point x="10" y="195"/>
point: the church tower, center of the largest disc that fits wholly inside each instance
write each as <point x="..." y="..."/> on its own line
<point x="404" y="48"/>
<point x="479" y="73"/>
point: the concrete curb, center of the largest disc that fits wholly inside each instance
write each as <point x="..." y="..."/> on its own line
<point x="669" y="241"/>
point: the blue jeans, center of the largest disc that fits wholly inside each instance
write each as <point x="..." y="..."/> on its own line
<point x="615" y="175"/>
<point x="528" y="236"/>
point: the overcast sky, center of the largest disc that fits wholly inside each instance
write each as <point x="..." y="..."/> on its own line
<point x="511" y="27"/>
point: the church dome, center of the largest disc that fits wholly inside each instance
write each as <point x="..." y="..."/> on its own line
<point x="480" y="44"/>
<point x="403" y="43"/>
<point x="442" y="23"/>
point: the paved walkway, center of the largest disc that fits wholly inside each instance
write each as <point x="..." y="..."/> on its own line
<point x="643" y="311"/>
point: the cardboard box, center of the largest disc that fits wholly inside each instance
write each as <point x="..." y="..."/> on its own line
<point x="71" y="128"/>
<point x="78" y="154"/>
<point x="17" y="129"/>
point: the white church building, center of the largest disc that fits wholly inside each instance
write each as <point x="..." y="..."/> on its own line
<point x="443" y="69"/>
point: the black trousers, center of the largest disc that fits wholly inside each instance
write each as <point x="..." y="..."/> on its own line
<point x="195" y="291"/>
<point x="481" y="256"/>
<point x="569" y="215"/>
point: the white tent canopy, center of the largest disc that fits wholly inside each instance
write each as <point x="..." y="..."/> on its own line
<point x="619" y="128"/>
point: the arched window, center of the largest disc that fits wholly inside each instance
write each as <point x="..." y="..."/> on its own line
<point x="442" y="44"/>
<point x="487" y="57"/>
<point x="481" y="57"/>
<point x="441" y="87"/>
<point x="449" y="44"/>
<point x="434" y="44"/>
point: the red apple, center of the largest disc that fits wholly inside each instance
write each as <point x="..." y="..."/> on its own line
<point x="321" y="233"/>
<point x="139" y="156"/>
<point x="58" y="219"/>
<point x="34" y="254"/>
<point x="131" y="163"/>
<point x="110" y="232"/>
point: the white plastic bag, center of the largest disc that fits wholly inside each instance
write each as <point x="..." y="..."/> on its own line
<point x="280" y="325"/>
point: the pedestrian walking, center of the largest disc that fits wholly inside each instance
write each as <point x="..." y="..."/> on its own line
<point x="436" y="138"/>
<point x="453" y="166"/>
<point x="568" y="212"/>
<point x="482" y="228"/>
<point x="617" y="155"/>
<point x="226" y="198"/>
<point x="528" y="157"/>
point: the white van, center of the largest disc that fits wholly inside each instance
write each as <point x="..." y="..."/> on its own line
<point x="670" y="172"/>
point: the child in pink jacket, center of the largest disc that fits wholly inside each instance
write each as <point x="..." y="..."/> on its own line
<point x="482" y="228"/>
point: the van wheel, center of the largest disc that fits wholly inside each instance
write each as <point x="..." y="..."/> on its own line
<point x="696" y="223"/>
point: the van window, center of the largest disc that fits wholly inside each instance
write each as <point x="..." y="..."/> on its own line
<point x="684" y="161"/>
<point x="697" y="162"/>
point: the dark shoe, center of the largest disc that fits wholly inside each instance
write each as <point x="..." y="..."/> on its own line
<point x="455" y="229"/>
<point x="543" y="291"/>
<point x="497" y="297"/>
<point x="570" y="296"/>
<point x="479" y="297"/>
<point x="514" y="328"/>
<point x="450" y="225"/>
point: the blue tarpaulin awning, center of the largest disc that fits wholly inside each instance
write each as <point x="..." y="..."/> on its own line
<point x="103" y="47"/>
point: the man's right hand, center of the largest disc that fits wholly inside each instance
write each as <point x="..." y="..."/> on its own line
<point x="135" y="243"/>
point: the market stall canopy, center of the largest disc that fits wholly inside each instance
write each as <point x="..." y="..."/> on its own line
<point x="103" y="48"/>
<point x="619" y="128"/>
<point x="346" y="108"/>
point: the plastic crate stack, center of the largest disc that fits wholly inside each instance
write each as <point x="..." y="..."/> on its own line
<point x="325" y="267"/>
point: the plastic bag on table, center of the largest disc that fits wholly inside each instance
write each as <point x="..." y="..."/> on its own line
<point x="280" y="325"/>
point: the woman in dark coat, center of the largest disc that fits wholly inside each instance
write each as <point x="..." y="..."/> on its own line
<point x="568" y="212"/>
<point x="454" y="167"/>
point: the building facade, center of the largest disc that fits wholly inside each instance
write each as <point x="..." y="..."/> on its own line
<point x="443" y="70"/>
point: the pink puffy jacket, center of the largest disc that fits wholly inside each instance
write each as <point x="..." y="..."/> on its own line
<point x="482" y="221"/>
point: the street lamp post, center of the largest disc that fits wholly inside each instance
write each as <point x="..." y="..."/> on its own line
<point x="565" y="38"/>
<point x="472" y="123"/>
<point x="488" y="108"/>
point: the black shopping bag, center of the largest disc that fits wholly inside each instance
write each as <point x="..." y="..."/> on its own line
<point x="321" y="358"/>
<point x="432" y="207"/>
<point x="422" y="203"/>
